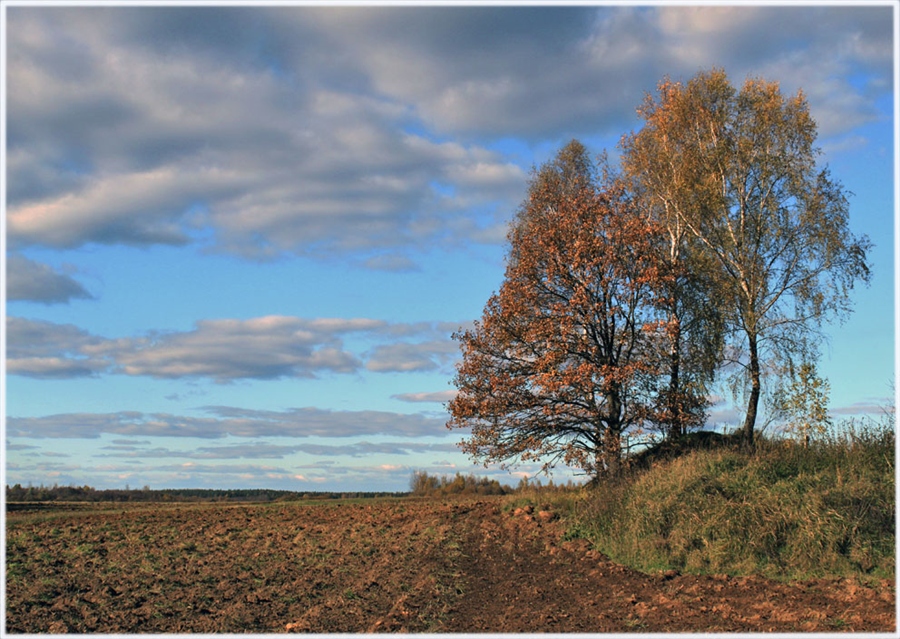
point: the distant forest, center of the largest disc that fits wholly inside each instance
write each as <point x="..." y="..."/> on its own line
<point x="18" y="493"/>
<point x="421" y="485"/>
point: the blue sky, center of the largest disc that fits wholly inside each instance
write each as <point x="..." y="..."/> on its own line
<point x="238" y="239"/>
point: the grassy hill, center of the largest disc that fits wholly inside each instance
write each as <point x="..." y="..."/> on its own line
<point x="784" y="510"/>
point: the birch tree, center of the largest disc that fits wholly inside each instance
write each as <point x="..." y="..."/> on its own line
<point x="737" y="171"/>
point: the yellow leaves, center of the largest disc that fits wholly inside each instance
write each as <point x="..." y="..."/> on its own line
<point x="804" y="401"/>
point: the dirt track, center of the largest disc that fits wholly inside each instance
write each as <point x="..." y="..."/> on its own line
<point x="393" y="566"/>
<point x="531" y="581"/>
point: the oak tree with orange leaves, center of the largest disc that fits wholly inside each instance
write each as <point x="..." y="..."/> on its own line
<point x="569" y="354"/>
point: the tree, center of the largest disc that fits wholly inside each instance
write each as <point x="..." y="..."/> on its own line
<point x="738" y="173"/>
<point x="693" y="313"/>
<point x="423" y="484"/>
<point x="804" y="401"/>
<point x="566" y="356"/>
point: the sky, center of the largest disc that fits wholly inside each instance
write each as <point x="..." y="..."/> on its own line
<point x="238" y="239"/>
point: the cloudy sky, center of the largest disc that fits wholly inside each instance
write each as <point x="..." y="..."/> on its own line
<point x="238" y="239"/>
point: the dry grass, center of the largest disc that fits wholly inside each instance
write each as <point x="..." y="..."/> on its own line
<point x="783" y="511"/>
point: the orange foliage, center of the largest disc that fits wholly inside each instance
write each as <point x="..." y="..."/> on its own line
<point x="567" y="356"/>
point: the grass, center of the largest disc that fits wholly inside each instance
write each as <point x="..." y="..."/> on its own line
<point x="783" y="510"/>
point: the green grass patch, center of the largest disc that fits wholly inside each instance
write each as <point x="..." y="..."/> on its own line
<point x="783" y="510"/>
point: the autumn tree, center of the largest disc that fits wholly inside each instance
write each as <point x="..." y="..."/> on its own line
<point x="737" y="173"/>
<point x="566" y="356"/>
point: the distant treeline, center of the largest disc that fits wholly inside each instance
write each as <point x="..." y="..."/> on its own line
<point x="18" y="493"/>
<point x="421" y="485"/>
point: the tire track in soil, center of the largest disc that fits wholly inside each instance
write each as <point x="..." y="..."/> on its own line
<point x="520" y="577"/>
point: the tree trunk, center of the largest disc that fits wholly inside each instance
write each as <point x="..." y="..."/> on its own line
<point x="753" y="401"/>
<point x="612" y="432"/>
<point x="676" y="425"/>
<point x="612" y="452"/>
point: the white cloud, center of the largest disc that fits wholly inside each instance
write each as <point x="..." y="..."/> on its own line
<point x="438" y="396"/>
<point x="237" y="422"/>
<point x="277" y="164"/>
<point x="27" y="280"/>
<point x="391" y="262"/>
<point x="225" y="350"/>
<point x="474" y="71"/>
<point x="47" y="350"/>
<point x="260" y="348"/>
<point x="403" y="357"/>
<point x="825" y="51"/>
<point x="874" y="406"/>
<point x="290" y="127"/>
<point x="53" y="367"/>
<point x="147" y="207"/>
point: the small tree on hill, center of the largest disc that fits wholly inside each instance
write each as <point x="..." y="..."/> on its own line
<point x="803" y="401"/>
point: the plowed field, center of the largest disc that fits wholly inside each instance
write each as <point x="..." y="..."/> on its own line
<point x="382" y="566"/>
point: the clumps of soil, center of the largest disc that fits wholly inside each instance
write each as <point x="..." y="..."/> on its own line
<point x="544" y="515"/>
<point x="459" y="566"/>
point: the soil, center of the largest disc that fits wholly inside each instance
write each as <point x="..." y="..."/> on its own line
<point x="460" y="566"/>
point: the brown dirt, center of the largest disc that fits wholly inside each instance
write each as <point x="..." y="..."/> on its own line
<point x="385" y="566"/>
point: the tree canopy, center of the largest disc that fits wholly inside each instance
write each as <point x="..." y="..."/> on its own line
<point x="718" y="246"/>
<point x="568" y="354"/>
<point x="736" y="171"/>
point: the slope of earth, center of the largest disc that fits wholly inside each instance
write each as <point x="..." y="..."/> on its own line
<point x="383" y="566"/>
